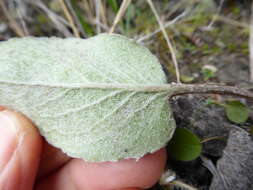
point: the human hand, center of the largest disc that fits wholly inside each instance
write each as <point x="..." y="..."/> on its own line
<point x="27" y="162"/>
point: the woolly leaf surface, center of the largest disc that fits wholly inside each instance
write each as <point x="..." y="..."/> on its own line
<point x="84" y="95"/>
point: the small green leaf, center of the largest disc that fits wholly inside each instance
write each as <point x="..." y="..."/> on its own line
<point x="236" y="111"/>
<point x="184" y="146"/>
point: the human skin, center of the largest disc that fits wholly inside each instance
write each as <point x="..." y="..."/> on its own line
<point x="27" y="162"/>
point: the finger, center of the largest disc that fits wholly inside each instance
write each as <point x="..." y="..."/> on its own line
<point x="20" y="151"/>
<point x="2" y="108"/>
<point x="52" y="159"/>
<point x="80" y="175"/>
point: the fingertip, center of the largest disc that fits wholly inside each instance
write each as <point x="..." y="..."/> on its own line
<point x="52" y="159"/>
<point x="128" y="173"/>
<point x="22" y="123"/>
<point x="2" y="108"/>
<point x="19" y="169"/>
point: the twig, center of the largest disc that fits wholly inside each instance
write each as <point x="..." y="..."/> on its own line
<point x="97" y="6"/>
<point x="166" y="25"/>
<point x="120" y="13"/>
<point x="173" y="55"/>
<point x="70" y="19"/>
<point x="251" y="44"/>
<point x="13" y="24"/>
<point x="181" y="89"/>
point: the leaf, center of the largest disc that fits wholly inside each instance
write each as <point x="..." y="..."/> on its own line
<point x="184" y="145"/>
<point x="113" y="4"/>
<point x="236" y="111"/>
<point x="92" y="98"/>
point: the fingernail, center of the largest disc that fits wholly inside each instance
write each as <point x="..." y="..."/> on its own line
<point x="8" y="139"/>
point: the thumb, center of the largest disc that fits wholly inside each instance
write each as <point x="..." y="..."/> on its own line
<point x="20" y="149"/>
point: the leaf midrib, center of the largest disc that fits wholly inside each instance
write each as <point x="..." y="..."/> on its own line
<point x="127" y="87"/>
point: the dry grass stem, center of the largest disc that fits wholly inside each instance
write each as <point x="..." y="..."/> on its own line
<point x="169" y="179"/>
<point x="251" y="44"/>
<point x="102" y="26"/>
<point x="13" y="24"/>
<point x="210" y="25"/>
<point x="173" y="55"/>
<point x="103" y="16"/>
<point x="120" y="13"/>
<point x="88" y="10"/>
<point x="25" y="29"/>
<point x="97" y="7"/>
<point x="173" y="9"/>
<point x="73" y="12"/>
<point x="70" y="19"/>
<point x="232" y="22"/>
<point x="212" y="168"/>
<point x="166" y="25"/>
<point x="92" y="6"/>
<point x="209" y="165"/>
<point x="56" y="19"/>
<point x="212" y="138"/>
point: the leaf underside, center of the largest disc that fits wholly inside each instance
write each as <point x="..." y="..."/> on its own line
<point x="40" y="77"/>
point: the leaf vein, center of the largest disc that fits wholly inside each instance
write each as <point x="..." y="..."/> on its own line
<point x="74" y="110"/>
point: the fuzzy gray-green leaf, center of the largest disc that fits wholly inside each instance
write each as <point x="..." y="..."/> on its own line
<point x="68" y="87"/>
